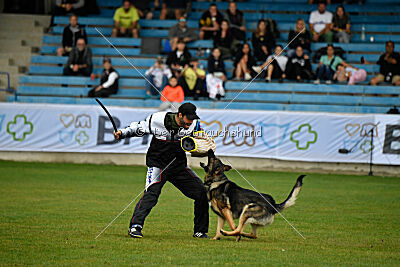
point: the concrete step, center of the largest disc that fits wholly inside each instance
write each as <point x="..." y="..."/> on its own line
<point x="35" y="20"/>
<point x="21" y="28"/>
<point x="16" y="58"/>
<point x="15" y="49"/>
<point x="4" y="61"/>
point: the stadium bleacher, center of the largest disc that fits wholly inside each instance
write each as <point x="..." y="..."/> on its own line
<point x="381" y="20"/>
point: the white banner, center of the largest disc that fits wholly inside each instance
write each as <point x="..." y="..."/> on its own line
<point x="299" y="136"/>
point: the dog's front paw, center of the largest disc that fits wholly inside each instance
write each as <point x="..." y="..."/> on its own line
<point x="238" y="238"/>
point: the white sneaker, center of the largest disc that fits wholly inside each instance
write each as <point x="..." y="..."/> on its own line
<point x="328" y="82"/>
<point x="257" y="69"/>
<point x="317" y="81"/>
<point x="247" y="76"/>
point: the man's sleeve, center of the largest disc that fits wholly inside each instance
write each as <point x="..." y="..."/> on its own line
<point x="312" y="18"/>
<point x="192" y="35"/>
<point x="135" y="15"/>
<point x="172" y="33"/>
<point x="116" y="16"/>
<point x="137" y="129"/>
<point x="64" y="38"/>
<point x="78" y="4"/>
<point x="111" y="79"/>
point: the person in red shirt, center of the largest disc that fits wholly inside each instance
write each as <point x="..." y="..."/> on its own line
<point x="172" y="95"/>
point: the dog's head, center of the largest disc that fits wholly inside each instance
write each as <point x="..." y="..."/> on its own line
<point x="214" y="169"/>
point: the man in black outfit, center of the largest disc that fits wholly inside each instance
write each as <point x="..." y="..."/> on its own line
<point x="299" y="66"/>
<point x="166" y="161"/>
<point x="79" y="60"/>
<point x="108" y="81"/>
<point x="71" y="34"/>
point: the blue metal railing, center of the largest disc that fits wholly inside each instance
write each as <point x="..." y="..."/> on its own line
<point x="9" y="89"/>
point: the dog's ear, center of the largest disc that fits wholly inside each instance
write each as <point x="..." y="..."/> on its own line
<point x="204" y="166"/>
<point x="227" y="168"/>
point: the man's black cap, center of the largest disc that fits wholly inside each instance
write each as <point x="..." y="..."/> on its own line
<point x="188" y="110"/>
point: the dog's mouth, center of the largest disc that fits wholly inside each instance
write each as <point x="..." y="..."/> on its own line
<point x="215" y="168"/>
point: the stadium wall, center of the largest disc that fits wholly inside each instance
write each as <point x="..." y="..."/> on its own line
<point x="242" y="163"/>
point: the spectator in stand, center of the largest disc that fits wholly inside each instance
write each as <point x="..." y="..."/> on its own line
<point x="181" y="31"/>
<point x="216" y="75"/>
<point x="143" y="9"/>
<point x="172" y="95"/>
<point x="303" y="38"/>
<point x="321" y="23"/>
<point x="126" y="21"/>
<point x="263" y="41"/>
<point x="341" y="25"/>
<point x="71" y="34"/>
<point x="349" y="73"/>
<point x="173" y="9"/>
<point x="65" y="7"/>
<point x="192" y="79"/>
<point x="108" y="81"/>
<point x="389" y="70"/>
<point x="79" y="60"/>
<point x="244" y="63"/>
<point x="210" y="23"/>
<point x="157" y="76"/>
<point x="276" y="65"/>
<point x="236" y="22"/>
<point x="299" y="66"/>
<point x="178" y="58"/>
<point x="224" y="40"/>
<point x="327" y="65"/>
<point x="216" y="65"/>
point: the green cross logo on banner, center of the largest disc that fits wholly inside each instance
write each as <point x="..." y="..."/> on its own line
<point x="19" y="128"/>
<point x="304" y="136"/>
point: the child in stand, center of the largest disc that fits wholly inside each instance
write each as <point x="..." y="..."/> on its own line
<point x="172" y="95"/>
<point x="349" y="73"/>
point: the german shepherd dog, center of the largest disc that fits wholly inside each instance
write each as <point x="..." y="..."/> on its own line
<point x="229" y="201"/>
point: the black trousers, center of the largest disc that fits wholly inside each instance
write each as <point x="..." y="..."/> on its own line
<point x="189" y="184"/>
<point x="104" y="92"/>
<point x="81" y="72"/>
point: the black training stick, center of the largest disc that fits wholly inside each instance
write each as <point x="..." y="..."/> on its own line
<point x="108" y="114"/>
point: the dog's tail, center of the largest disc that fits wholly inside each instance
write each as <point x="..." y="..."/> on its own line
<point x="291" y="199"/>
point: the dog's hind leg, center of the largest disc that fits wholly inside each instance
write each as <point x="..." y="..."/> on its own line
<point x="221" y="222"/>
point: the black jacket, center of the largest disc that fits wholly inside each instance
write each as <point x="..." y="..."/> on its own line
<point x="162" y="152"/>
<point x="104" y="77"/>
<point x="86" y="57"/>
<point x="69" y="38"/>
<point x="303" y="40"/>
<point x="216" y="65"/>
<point x="182" y="60"/>
<point x="267" y="40"/>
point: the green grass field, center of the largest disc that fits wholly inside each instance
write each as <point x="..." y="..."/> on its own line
<point x="51" y="213"/>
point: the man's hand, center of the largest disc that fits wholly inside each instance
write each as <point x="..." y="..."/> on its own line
<point x="117" y="135"/>
<point x="75" y="68"/>
<point x="306" y="57"/>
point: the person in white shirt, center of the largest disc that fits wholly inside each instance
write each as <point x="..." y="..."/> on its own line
<point x="157" y="76"/>
<point x="108" y="81"/>
<point x="276" y="65"/>
<point x="321" y="24"/>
